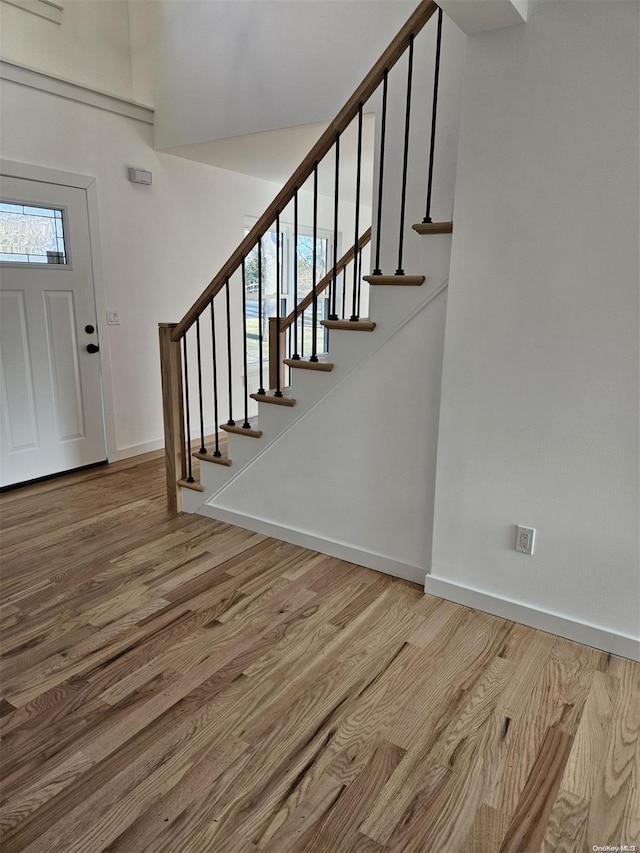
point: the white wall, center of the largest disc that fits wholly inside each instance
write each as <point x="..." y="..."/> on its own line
<point x="143" y="37"/>
<point x="539" y="420"/>
<point x="160" y="245"/>
<point x="232" y="68"/>
<point x="90" y="46"/>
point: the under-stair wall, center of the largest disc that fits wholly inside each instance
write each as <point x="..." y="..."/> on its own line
<point x="350" y="470"/>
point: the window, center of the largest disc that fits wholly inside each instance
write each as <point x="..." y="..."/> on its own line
<point x="31" y="235"/>
<point x="304" y="252"/>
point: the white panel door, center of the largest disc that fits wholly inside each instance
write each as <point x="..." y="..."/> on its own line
<point x="51" y="417"/>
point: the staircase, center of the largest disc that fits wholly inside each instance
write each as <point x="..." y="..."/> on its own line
<point x="315" y="453"/>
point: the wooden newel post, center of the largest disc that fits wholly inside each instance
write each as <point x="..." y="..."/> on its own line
<point x="173" y="414"/>
<point x="274" y="367"/>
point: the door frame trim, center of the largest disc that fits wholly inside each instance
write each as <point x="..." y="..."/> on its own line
<point x="45" y="175"/>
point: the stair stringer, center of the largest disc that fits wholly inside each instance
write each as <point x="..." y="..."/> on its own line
<point x="354" y="475"/>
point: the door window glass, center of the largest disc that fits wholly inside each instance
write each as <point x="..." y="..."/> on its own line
<point x="31" y="235"/>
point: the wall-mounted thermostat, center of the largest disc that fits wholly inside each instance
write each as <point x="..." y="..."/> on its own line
<point x="139" y="176"/>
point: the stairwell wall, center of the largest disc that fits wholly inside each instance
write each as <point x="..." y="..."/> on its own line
<point x="539" y="419"/>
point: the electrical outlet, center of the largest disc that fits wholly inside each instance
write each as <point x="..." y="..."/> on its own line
<point x="524" y="539"/>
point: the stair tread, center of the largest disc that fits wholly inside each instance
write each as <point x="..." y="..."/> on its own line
<point x="209" y="457"/>
<point x="303" y="363"/>
<point x="196" y="487"/>
<point x="270" y="397"/>
<point x="402" y="280"/>
<point x="362" y="325"/>
<point x="433" y="227"/>
<point x="239" y="429"/>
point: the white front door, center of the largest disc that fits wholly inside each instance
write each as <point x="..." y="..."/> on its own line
<point x="51" y="417"/>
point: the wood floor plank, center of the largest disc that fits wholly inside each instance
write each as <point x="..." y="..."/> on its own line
<point x="529" y="822"/>
<point x="170" y="808"/>
<point x="566" y="829"/>
<point x="446" y="819"/>
<point x="180" y="685"/>
<point x="338" y="832"/>
<point x="591" y="737"/>
<point x="533" y="657"/>
<point x="614" y="777"/>
<point x="477" y="642"/>
<point x="391" y="821"/>
<point x="631" y="819"/>
<point x="354" y="738"/>
<point x="556" y="699"/>
<point x="487" y="831"/>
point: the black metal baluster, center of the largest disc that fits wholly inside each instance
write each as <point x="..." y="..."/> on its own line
<point x="400" y="271"/>
<point x="260" y="318"/>
<point x="334" y="284"/>
<point x="383" y="133"/>
<point x="246" y="424"/>
<point x="203" y="449"/>
<point x="187" y="410"/>
<point x="358" y="262"/>
<point x="355" y="314"/>
<point x="216" y="451"/>
<point x="278" y="391"/>
<point x="314" y="304"/>
<point x="296" y="354"/>
<point x="434" y="112"/>
<point x="231" y="421"/>
<point x="344" y="290"/>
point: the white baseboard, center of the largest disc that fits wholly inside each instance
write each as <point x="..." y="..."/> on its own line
<point x="553" y="623"/>
<point x="135" y="450"/>
<point x="341" y="550"/>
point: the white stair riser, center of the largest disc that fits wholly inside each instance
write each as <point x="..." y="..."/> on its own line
<point x="243" y="449"/>
<point x="308" y="385"/>
<point x="274" y="418"/>
<point x="348" y="347"/>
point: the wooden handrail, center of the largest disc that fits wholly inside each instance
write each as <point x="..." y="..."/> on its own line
<point x="324" y="282"/>
<point x="417" y="20"/>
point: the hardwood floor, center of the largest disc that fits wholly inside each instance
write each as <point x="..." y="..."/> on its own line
<point x="178" y="685"/>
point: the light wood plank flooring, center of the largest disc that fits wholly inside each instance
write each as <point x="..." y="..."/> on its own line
<point x="178" y="685"/>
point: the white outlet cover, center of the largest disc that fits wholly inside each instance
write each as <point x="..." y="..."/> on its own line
<point x="525" y="539"/>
